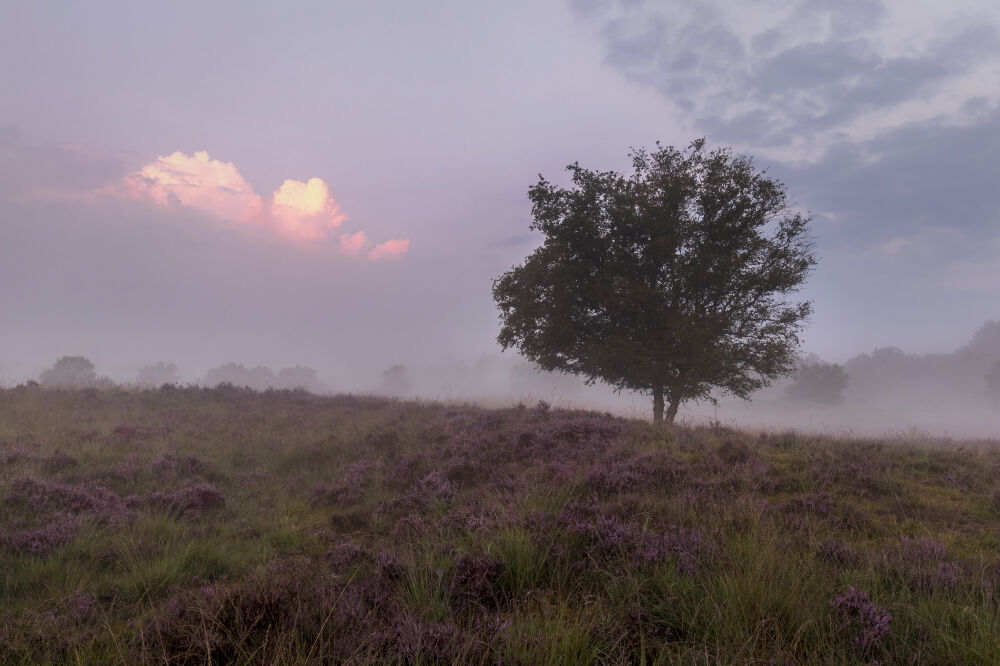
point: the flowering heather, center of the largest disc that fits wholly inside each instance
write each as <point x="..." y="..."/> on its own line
<point x="477" y="580"/>
<point x="46" y="497"/>
<point x="131" y="435"/>
<point x="923" y="564"/>
<point x="432" y="487"/>
<point x="57" y="532"/>
<point x="344" y="554"/>
<point x="614" y="476"/>
<point x="348" y="487"/>
<point x="389" y="567"/>
<point x="361" y="530"/>
<point x="418" y="641"/>
<point x="867" y="623"/>
<point x="185" y="501"/>
<point x="839" y="553"/>
<point x="58" y="462"/>
<point x="169" y="467"/>
<point x="127" y="469"/>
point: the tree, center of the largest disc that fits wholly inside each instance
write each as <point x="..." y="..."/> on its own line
<point x="993" y="382"/>
<point x="258" y="378"/>
<point x="395" y="381"/>
<point x="299" y="377"/>
<point x="157" y="375"/>
<point x="818" y="382"/>
<point x="70" y="372"/>
<point x="671" y="282"/>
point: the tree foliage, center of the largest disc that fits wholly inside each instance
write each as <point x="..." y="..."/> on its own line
<point x="671" y="281"/>
<point x="993" y="382"/>
<point x="818" y="382"/>
<point x="157" y="374"/>
<point x="70" y="372"/>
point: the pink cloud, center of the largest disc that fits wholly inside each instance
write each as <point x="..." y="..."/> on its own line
<point x="391" y="249"/>
<point x="300" y="212"/>
<point x="305" y="211"/>
<point x="197" y="181"/>
<point x="354" y="243"/>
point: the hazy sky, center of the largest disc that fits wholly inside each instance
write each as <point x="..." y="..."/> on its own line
<point x="337" y="184"/>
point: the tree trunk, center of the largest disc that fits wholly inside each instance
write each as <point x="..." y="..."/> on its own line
<point x="672" y="409"/>
<point x="657" y="405"/>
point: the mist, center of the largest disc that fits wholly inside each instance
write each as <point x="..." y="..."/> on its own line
<point x="887" y="392"/>
<point x="337" y="194"/>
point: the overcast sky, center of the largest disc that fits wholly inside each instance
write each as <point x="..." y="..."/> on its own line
<point x="337" y="184"/>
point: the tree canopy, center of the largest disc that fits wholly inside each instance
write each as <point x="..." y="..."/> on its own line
<point x="819" y="382"/>
<point x="672" y="281"/>
<point x="70" y="372"/>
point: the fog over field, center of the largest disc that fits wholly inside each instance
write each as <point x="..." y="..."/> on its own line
<point x="335" y="188"/>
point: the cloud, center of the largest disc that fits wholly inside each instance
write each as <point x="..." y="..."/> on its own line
<point x="197" y="181"/>
<point x="305" y="211"/>
<point x="809" y="72"/>
<point x="354" y="243"/>
<point x="391" y="249"/>
<point x="299" y="212"/>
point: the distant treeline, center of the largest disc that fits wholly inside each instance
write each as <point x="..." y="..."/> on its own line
<point x="79" y="372"/>
<point x="886" y="376"/>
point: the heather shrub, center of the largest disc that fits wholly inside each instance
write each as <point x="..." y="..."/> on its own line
<point x="347" y="488"/>
<point x="188" y="501"/>
<point x="477" y="580"/>
<point x="58" y="462"/>
<point x="43" y="498"/>
<point x="614" y="476"/>
<point x="169" y="468"/>
<point x="420" y="641"/>
<point x="838" y="553"/>
<point x="865" y="623"/>
<point x="922" y="564"/>
<point x="360" y="530"/>
<point x="60" y="530"/>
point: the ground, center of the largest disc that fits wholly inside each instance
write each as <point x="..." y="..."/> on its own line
<point x="193" y="526"/>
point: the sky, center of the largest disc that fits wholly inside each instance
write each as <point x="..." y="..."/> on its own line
<point x="337" y="184"/>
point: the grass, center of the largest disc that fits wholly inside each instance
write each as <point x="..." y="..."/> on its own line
<point x="223" y="526"/>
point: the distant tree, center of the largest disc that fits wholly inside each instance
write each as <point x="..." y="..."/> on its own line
<point x="818" y="382"/>
<point x="671" y="282"/>
<point x="993" y="382"/>
<point x="70" y="372"/>
<point x="157" y="375"/>
<point x="299" y="377"/>
<point x="258" y="378"/>
<point x="395" y="382"/>
<point x="986" y="340"/>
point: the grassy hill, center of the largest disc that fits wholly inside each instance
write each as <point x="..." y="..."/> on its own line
<point x="197" y="526"/>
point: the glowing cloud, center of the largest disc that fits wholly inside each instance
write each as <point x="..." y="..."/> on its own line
<point x="300" y="212"/>
<point x="391" y="249"/>
<point x="305" y="211"/>
<point x="197" y="181"/>
<point x="354" y="243"/>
